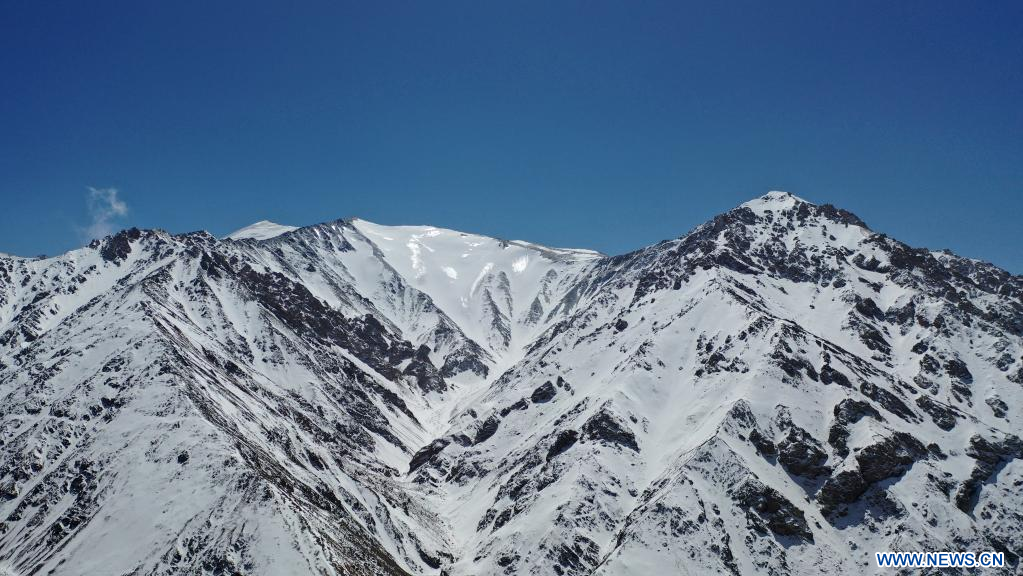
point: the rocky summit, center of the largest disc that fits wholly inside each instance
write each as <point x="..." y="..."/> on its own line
<point x="779" y="391"/>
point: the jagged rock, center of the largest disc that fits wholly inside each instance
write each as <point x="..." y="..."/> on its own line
<point x="426" y="453"/>
<point x="829" y="375"/>
<point x="118" y="246"/>
<point x="763" y="444"/>
<point x="606" y="428"/>
<point x="544" y="393"/>
<point x="781" y="516"/>
<point x="957" y="369"/>
<point x="845" y="487"/>
<point x="795" y="366"/>
<point x="889" y="401"/>
<point x="565" y="440"/>
<point x="989" y="456"/>
<point x="577" y="558"/>
<point x="890" y="457"/>
<point x="521" y="404"/>
<point x="487" y="430"/>
<point x="848" y="412"/>
<point x="929" y="365"/>
<point x="869" y="308"/>
<point x="998" y="406"/>
<point x="426" y="375"/>
<point x="944" y="417"/>
<point x="800" y="454"/>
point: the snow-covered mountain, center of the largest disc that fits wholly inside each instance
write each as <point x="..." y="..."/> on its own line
<point x="781" y="390"/>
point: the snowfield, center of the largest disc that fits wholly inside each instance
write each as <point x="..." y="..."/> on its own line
<point x="779" y="391"/>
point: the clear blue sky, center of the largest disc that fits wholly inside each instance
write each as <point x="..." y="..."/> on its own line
<point x="606" y="125"/>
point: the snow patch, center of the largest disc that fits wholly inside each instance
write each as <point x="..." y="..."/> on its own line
<point x="479" y="278"/>
<point x="519" y="266"/>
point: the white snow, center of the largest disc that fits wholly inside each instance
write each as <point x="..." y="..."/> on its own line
<point x="464" y="273"/>
<point x="262" y="230"/>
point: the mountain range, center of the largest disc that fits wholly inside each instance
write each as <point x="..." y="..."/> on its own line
<point x="781" y="390"/>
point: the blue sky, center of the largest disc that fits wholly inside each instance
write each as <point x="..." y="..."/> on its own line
<point x="605" y="125"/>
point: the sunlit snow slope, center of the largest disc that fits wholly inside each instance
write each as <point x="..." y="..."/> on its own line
<point x="781" y="390"/>
<point x="262" y="230"/>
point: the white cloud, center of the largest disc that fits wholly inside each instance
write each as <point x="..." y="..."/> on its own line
<point x="104" y="208"/>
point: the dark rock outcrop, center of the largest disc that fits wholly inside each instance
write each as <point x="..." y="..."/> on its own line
<point x="543" y="393"/>
<point x="890" y="457"/>
<point x="990" y="456"/>
<point x="427" y="453"/>
<point x="607" y="428"/>
<point x="848" y="412"/>
<point x="801" y="455"/>
<point x="762" y="443"/>
<point x="765" y="506"/>
<point x="565" y="440"/>
<point x="487" y="430"/>
<point x="118" y="246"/>
<point x="942" y="415"/>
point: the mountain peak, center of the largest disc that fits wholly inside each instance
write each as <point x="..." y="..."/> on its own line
<point x="774" y="200"/>
<point x="776" y="203"/>
<point x="262" y="230"/>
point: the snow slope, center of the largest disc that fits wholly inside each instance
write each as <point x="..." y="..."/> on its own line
<point x="262" y="230"/>
<point x="499" y="292"/>
<point x="781" y="390"/>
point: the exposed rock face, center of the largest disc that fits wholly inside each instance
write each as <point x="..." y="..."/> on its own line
<point x="779" y="390"/>
<point x="848" y="412"/>
<point x="487" y="430"/>
<point x="118" y="247"/>
<point x="565" y="440"/>
<point x="943" y="416"/>
<point x="425" y="374"/>
<point x="607" y="428"/>
<point x="989" y="456"/>
<point x="772" y="510"/>
<point x="890" y="457"/>
<point x="846" y="487"/>
<point x="801" y="454"/>
<point x="544" y="393"/>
